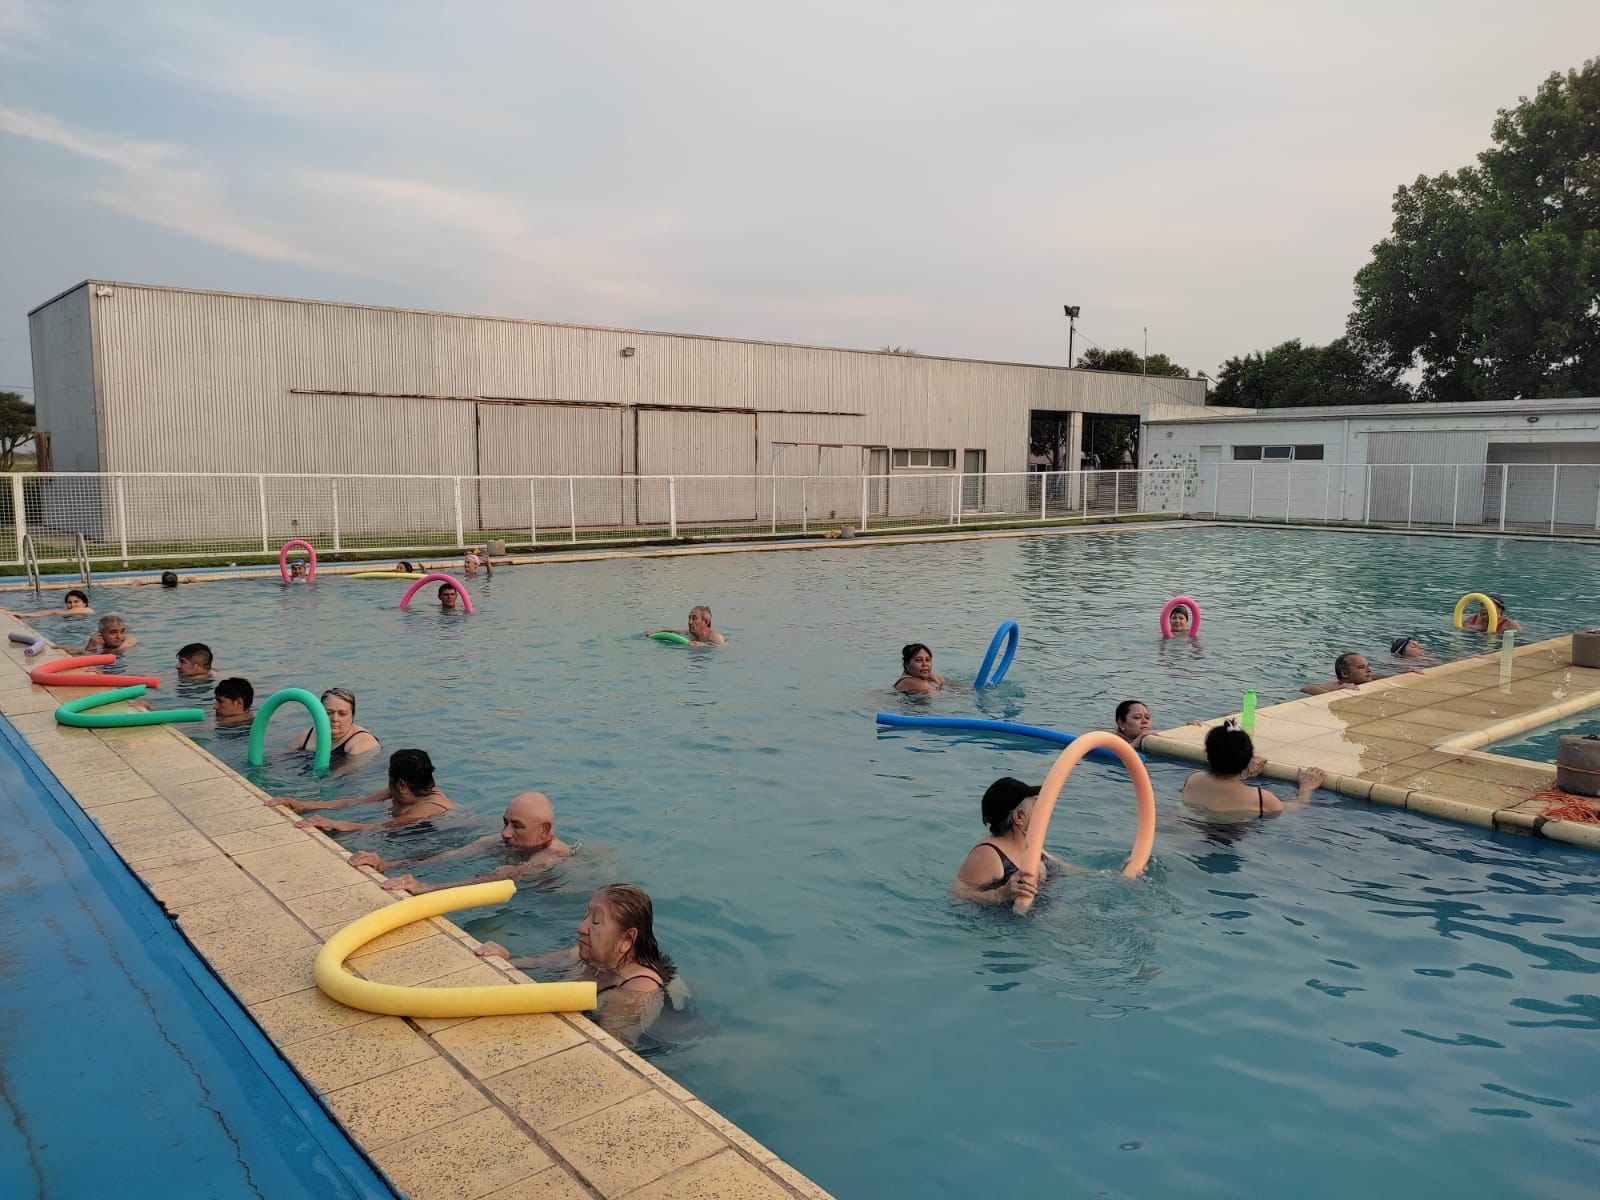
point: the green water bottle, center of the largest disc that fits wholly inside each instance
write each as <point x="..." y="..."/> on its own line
<point x="1247" y="712"/>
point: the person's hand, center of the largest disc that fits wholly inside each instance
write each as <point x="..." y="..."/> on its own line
<point x="1024" y="885"/>
<point x="1257" y="765"/>
<point x="1310" y="778"/>
<point x="366" y="858"/>
<point x="288" y="802"/>
<point x="92" y="646"/>
<point x="493" y="950"/>
<point x="402" y="883"/>
<point x="1412" y="671"/>
<point x="1347" y="686"/>
<point x="316" y="823"/>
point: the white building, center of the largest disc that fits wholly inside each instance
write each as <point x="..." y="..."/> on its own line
<point x="1516" y="464"/>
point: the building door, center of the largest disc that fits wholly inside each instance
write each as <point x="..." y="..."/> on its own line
<point x="973" y="465"/>
<point x="878" y="489"/>
<point x="1210" y="479"/>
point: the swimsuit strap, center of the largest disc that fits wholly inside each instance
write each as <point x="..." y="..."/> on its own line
<point x="1261" y="801"/>
<point x="1007" y="869"/>
<point x="611" y="987"/>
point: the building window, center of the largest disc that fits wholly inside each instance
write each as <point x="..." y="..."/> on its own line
<point x="1277" y="454"/>
<point x="920" y="460"/>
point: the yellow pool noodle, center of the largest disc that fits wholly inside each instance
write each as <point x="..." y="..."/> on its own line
<point x="386" y="575"/>
<point x="492" y="1001"/>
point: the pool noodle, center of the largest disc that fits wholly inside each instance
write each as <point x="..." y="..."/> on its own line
<point x="1037" y="732"/>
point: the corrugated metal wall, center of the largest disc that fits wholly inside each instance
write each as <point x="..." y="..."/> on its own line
<point x="61" y="339"/>
<point x="1427" y="496"/>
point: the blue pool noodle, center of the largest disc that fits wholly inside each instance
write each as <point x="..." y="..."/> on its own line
<point x="1038" y="732"/>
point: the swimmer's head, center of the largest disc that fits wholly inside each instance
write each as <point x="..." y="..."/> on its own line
<point x="76" y="600"/>
<point x="1133" y="719"/>
<point x="1352" y="667"/>
<point x="447" y="597"/>
<point x="1005" y="801"/>
<point x="1229" y="750"/>
<point x="194" y="661"/>
<point x="1180" y="618"/>
<point x="297" y="570"/>
<point x="113" y="631"/>
<point x="340" y="705"/>
<point x="1407" y="647"/>
<point x="529" y="822"/>
<point x="699" y="622"/>
<point x="169" y="579"/>
<point x="411" y="770"/>
<point x="916" y="660"/>
<point x="234" y="697"/>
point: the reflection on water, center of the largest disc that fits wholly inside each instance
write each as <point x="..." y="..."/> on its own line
<point x="1338" y="977"/>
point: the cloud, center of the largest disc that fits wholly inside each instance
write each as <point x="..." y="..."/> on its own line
<point x="22" y="28"/>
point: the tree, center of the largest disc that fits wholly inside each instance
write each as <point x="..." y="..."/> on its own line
<point x="1131" y="362"/>
<point x="1490" y="279"/>
<point x="906" y="350"/>
<point x="1292" y="375"/>
<point x="16" y="426"/>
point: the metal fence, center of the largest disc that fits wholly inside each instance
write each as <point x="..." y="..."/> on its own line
<point x="123" y="517"/>
<point x="1514" y="497"/>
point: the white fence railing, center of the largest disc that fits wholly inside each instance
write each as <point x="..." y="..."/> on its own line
<point x="134" y="516"/>
<point x="1517" y="497"/>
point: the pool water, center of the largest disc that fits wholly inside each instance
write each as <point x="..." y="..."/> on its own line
<point x="1539" y="745"/>
<point x="127" y="1069"/>
<point x="1345" y="998"/>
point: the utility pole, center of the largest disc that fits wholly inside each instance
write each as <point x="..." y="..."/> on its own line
<point x="1145" y="370"/>
<point x="1072" y="311"/>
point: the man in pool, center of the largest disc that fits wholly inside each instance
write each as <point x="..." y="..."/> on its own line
<point x="527" y="840"/>
<point x="1350" y="670"/>
<point x="194" y="661"/>
<point x="447" y="598"/>
<point x="298" y="572"/>
<point x="699" y="632"/>
<point x="235" y="698"/>
<point x="110" y="637"/>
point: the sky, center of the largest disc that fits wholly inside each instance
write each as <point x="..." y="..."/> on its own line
<point x="940" y="176"/>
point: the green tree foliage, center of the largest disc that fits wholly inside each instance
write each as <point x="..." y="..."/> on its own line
<point x="1131" y="362"/>
<point x="1490" y="280"/>
<point x="16" y="426"/>
<point x="1291" y="375"/>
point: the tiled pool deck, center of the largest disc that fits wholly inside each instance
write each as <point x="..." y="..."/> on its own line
<point x="536" y="1107"/>
<point x="1414" y="741"/>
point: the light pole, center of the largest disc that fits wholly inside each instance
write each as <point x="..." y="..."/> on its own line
<point x="1072" y="311"/>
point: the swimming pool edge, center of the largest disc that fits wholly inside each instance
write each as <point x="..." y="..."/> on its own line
<point x="442" y="1107"/>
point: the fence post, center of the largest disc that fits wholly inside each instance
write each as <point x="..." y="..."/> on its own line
<point x="461" y="543"/>
<point x="1085" y="477"/>
<point x="955" y="503"/>
<point x="1411" y="491"/>
<point x="774" y="479"/>
<point x="261" y="492"/>
<point x="1288" y="490"/>
<point x="1366" y="500"/>
<point x="122" y="521"/>
<point x="1455" y="497"/>
<point x="572" y="505"/>
<point x="1555" y="475"/>
<point x="805" y="520"/>
<point x="1116" y="493"/>
<point x="1505" y="470"/>
<point x="19" y="512"/>
<point x="864" y="479"/>
<point x="672" y="506"/>
<point x="1252" y="493"/>
<point x="335" y="483"/>
<point x="533" y="515"/>
<point x="1044" y="490"/>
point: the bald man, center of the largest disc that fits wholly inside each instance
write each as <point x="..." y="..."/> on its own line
<point x="527" y="840"/>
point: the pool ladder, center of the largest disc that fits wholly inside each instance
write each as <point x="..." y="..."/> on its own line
<point x="83" y="561"/>
<point x="30" y="562"/>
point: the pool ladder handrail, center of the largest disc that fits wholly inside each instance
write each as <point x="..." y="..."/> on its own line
<point x="83" y="560"/>
<point x="30" y="561"/>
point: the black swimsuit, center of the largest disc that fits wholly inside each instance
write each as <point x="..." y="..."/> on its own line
<point x="1007" y="869"/>
<point x="611" y="987"/>
<point x="338" y="751"/>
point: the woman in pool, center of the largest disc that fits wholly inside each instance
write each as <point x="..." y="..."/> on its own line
<point x="916" y="672"/>
<point x="1477" y="619"/>
<point x="1133" y="721"/>
<point x="1179" y="620"/>
<point x="349" y="739"/>
<point x="1220" y="793"/>
<point x="989" y="874"/>
<point x="74" y="604"/>
<point x="412" y="796"/>
<point x="617" y="949"/>
<point x="1410" y="647"/>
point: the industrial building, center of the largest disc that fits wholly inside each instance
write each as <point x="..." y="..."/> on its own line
<point x="1519" y="464"/>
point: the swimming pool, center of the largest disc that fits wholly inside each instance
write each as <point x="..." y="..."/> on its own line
<point x="1355" y="997"/>
<point x="1539" y="745"/>
<point x="127" y="1069"/>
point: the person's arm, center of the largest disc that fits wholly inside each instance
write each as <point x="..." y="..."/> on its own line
<point x="410" y="883"/>
<point x="915" y="687"/>
<point x="979" y="868"/>
<point x="556" y="960"/>
<point x="1308" y="780"/>
<point x="364" y="742"/>
<point x="366" y="858"/>
<point x="629" y="1009"/>
<point x="1318" y="689"/>
<point x="301" y="806"/>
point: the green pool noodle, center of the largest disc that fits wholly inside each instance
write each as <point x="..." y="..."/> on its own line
<point x="668" y="638"/>
<point x="76" y="712"/>
<point x="319" y="722"/>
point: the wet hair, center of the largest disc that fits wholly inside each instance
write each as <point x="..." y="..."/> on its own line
<point x="1001" y="801"/>
<point x="197" y="652"/>
<point x="1500" y="604"/>
<point x="110" y="619"/>
<point x="81" y="595"/>
<point x="414" y="769"/>
<point x="703" y="611"/>
<point x="445" y="587"/>
<point x="235" y="689"/>
<point x="1229" y="749"/>
<point x="405" y="566"/>
<point x="907" y="653"/>
<point x="631" y="907"/>
<point x="1125" y="708"/>
<point x="344" y="694"/>
<point x="169" y="579"/>
<point x="1341" y="665"/>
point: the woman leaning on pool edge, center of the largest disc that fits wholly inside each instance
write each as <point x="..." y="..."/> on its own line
<point x="916" y="671"/>
<point x="349" y="739"/>
<point x="617" y="949"/>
